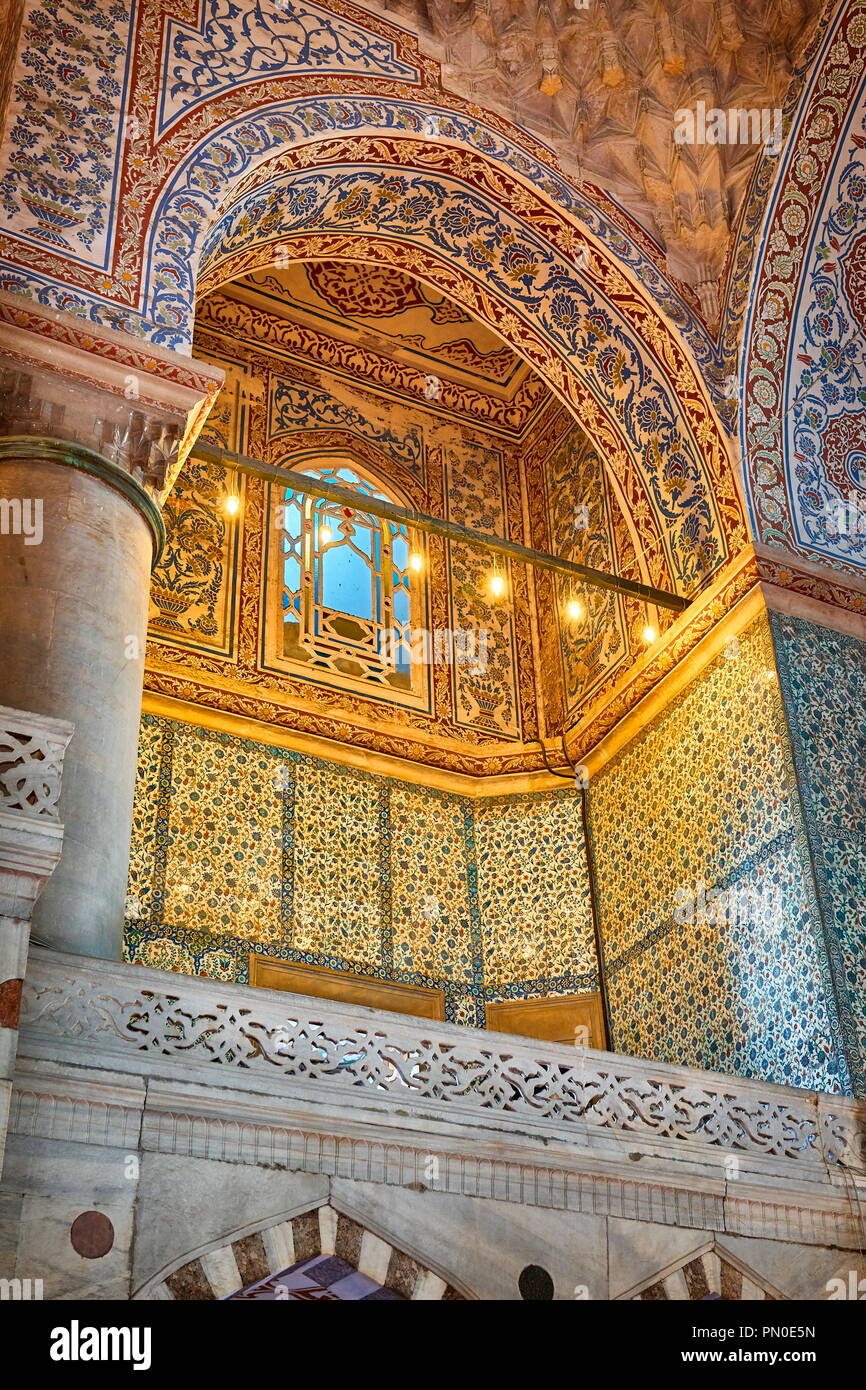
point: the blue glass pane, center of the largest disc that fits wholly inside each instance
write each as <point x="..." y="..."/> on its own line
<point x="292" y="510"/>
<point x="401" y="606"/>
<point x="346" y="582"/>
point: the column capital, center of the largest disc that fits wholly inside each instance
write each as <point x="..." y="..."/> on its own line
<point x="32" y="749"/>
<point x="18" y="447"/>
<point x="139" y="406"/>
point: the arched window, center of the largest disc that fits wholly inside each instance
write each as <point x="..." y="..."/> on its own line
<point x="350" y="601"/>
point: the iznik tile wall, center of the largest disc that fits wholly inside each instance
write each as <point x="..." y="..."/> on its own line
<point x="823" y="677"/>
<point x="711" y="931"/>
<point x="240" y="847"/>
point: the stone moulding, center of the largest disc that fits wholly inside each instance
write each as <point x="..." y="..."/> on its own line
<point x="131" y="1058"/>
<point x="140" y="406"/>
<point x="68" y="1105"/>
<point x="150" y="1022"/>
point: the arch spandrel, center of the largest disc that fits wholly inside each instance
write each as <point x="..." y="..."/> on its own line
<point x="802" y="422"/>
<point x="207" y="96"/>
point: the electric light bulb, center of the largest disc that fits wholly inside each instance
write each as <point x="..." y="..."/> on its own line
<point x="233" y="503"/>
<point x="415" y="561"/>
<point x="574" y="611"/>
<point x="326" y="535"/>
<point x="497" y="586"/>
<point x="649" y="634"/>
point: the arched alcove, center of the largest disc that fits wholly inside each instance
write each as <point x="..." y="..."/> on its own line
<point x="318" y="1248"/>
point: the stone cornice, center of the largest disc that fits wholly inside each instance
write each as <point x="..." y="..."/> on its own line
<point x="99" y="387"/>
<point x="246" y="1076"/>
<point x="73" y="347"/>
<point x="79" y="1104"/>
<point x="822" y="594"/>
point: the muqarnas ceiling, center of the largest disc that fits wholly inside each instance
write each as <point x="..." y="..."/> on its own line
<point x="603" y="80"/>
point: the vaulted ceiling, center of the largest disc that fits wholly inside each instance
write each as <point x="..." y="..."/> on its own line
<point x="390" y="313"/>
<point x="376" y="326"/>
<point x="601" y="81"/>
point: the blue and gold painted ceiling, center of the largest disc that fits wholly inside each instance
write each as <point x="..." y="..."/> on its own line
<point x="372" y="325"/>
<point x="390" y="312"/>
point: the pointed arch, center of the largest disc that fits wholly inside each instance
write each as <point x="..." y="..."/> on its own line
<point x="708" y="1272"/>
<point x="220" y="1269"/>
<point x="520" y="268"/>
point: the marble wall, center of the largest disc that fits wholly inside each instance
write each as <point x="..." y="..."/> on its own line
<point x="240" y="847"/>
<point x="711" y="930"/>
<point x="823" y="676"/>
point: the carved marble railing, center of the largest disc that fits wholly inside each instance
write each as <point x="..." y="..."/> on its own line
<point x="151" y="1022"/>
<point x="31" y="762"/>
<point x="31" y="839"/>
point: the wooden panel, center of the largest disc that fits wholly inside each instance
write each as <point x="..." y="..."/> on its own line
<point x="553" y="1020"/>
<point x="346" y="987"/>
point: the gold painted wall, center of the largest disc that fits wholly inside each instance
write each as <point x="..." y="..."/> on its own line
<point x="576" y="512"/>
<point x="211" y="602"/>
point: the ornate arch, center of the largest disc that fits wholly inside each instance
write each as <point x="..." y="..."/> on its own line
<point x="208" y="96"/>
<point x="594" y="337"/>
<point x="803" y="417"/>
<point x="217" y="1270"/>
<point x="209" y="104"/>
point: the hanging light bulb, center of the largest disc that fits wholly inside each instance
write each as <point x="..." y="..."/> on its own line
<point x="416" y="561"/>
<point x="574" y="610"/>
<point x="497" y="585"/>
<point x="326" y="535"/>
<point x="649" y="634"/>
<point x="233" y="503"/>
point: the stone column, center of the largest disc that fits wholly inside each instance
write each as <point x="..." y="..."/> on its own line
<point x="92" y="426"/>
<point x="31" y="836"/>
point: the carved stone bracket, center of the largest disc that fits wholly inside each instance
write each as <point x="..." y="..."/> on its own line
<point x="138" y="406"/>
<point x="32" y="749"/>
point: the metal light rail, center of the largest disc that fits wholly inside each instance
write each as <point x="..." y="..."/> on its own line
<point x="451" y="530"/>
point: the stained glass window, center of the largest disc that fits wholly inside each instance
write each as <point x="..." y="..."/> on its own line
<point x="348" y="593"/>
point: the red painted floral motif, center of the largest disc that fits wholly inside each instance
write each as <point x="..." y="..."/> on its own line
<point x="844" y="451"/>
<point x="854" y="274"/>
